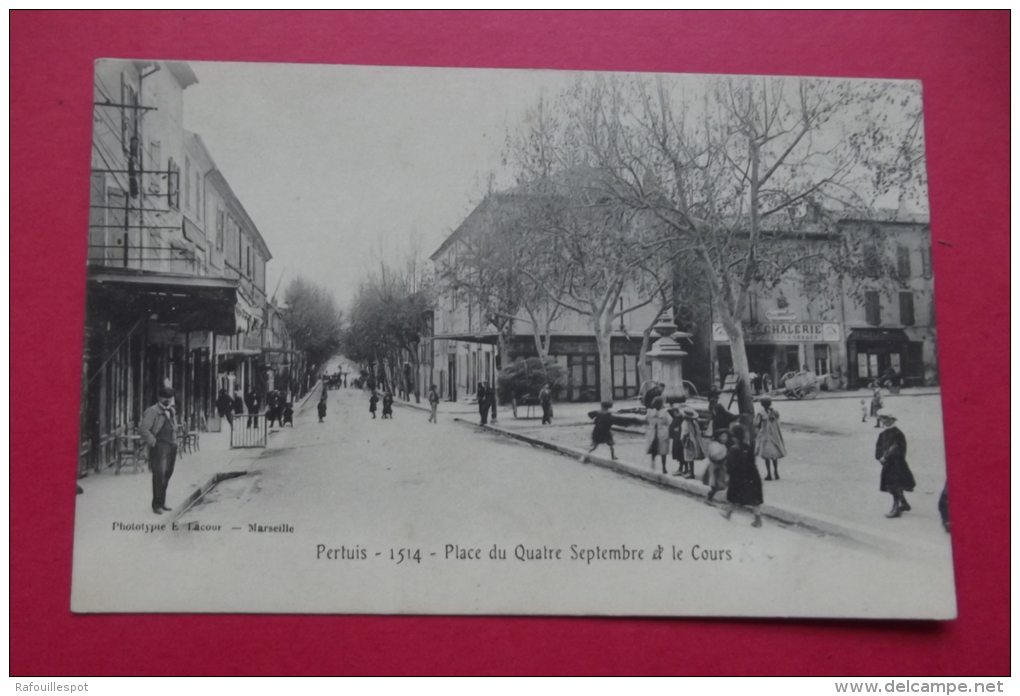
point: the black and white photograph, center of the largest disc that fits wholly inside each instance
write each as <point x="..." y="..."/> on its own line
<point x="404" y="340"/>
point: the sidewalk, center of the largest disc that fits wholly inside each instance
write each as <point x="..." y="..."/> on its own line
<point x="127" y="497"/>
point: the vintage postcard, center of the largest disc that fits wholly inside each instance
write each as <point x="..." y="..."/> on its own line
<point x="448" y="341"/>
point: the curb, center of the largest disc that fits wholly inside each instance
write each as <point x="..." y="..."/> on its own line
<point x="203" y="490"/>
<point x="785" y="515"/>
<point x="308" y="396"/>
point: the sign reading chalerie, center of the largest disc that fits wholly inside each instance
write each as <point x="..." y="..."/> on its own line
<point x="784" y="332"/>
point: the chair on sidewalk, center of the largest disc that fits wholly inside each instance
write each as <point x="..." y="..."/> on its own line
<point x="128" y="452"/>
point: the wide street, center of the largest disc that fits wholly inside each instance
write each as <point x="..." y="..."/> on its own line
<point x="353" y="486"/>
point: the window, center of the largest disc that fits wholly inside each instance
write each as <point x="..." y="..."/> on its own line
<point x="155" y="165"/>
<point x="173" y="190"/>
<point x="219" y="228"/>
<point x="872" y="308"/>
<point x="187" y="183"/>
<point x="926" y="262"/>
<point x="907" y="308"/>
<point x="872" y="261"/>
<point x="128" y="114"/>
<point x="903" y="261"/>
<point x="247" y="261"/>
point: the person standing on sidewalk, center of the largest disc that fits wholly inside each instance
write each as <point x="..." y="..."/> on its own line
<point x="692" y="447"/>
<point x="490" y="395"/>
<point x="657" y="432"/>
<point x="225" y="407"/>
<point x="387" y="405"/>
<point x="769" y="443"/>
<point x="372" y="403"/>
<point x="433" y="404"/>
<point x="744" y="485"/>
<point x="876" y="403"/>
<point x="158" y="430"/>
<point x="253" y="402"/>
<point x="545" y="399"/>
<point x="483" y="405"/>
<point x="891" y="452"/>
<point x="721" y="418"/>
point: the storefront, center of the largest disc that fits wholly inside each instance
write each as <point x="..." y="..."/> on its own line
<point x="875" y="353"/>
<point x="775" y="349"/>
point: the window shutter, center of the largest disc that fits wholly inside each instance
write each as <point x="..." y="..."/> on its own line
<point x="903" y="261"/>
<point x="907" y="308"/>
<point x="926" y="262"/>
<point x="872" y="308"/>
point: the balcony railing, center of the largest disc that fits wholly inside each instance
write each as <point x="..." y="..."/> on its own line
<point x="148" y="258"/>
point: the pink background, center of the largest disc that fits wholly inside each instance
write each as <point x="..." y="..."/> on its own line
<point x="963" y="61"/>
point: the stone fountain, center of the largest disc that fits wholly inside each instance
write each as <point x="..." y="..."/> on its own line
<point x="666" y="357"/>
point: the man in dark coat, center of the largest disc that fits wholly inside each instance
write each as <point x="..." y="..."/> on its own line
<point x="225" y="407"/>
<point x="483" y="404"/>
<point x="891" y="451"/>
<point x="653" y="393"/>
<point x="158" y="430"/>
<point x="545" y="399"/>
<point x="238" y="403"/>
<point x="721" y="418"/>
<point x="253" y="402"/>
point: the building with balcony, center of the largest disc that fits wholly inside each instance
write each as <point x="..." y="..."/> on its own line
<point x="167" y="303"/>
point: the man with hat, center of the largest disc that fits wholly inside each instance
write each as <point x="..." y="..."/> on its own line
<point x="159" y="431"/>
<point x="891" y="451"/>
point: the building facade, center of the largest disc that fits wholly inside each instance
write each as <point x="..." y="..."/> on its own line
<point x="465" y="347"/>
<point x="163" y="304"/>
<point x="853" y="328"/>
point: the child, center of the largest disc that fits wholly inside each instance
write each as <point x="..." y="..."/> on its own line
<point x="288" y="415"/>
<point x="876" y="404"/>
<point x="372" y="401"/>
<point x="433" y="404"/>
<point x="864" y="410"/>
<point x="657" y="423"/>
<point x="387" y="406"/>
<point x="715" y="476"/>
<point x="602" y="433"/>
<point x="769" y="443"/>
<point x="693" y="447"/>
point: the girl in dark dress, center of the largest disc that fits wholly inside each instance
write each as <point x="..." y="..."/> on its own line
<point x="891" y="451"/>
<point x="387" y="406"/>
<point x="322" y="407"/>
<point x="372" y="402"/>
<point x="744" y="480"/>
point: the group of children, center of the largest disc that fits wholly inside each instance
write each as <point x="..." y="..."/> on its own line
<point x="731" y="460"/>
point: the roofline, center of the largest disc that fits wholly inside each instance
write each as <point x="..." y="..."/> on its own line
<point x="219" y="180"/>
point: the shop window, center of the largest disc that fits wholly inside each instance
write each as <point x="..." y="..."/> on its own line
<point x="872" y="308"/>
<point x="821" y="359"/>
<point x="903" y="261"/>
<point x="907" y="308"/>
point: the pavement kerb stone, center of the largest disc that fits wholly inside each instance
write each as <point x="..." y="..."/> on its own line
<point x="785" y="515"/>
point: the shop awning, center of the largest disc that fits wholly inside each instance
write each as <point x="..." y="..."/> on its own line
<point x="878" y="336"/>
<point x="188" y="303"/>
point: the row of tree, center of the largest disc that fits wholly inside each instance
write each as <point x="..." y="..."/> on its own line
<point x="689" y="194"/>
<point x="389" y="319"/>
